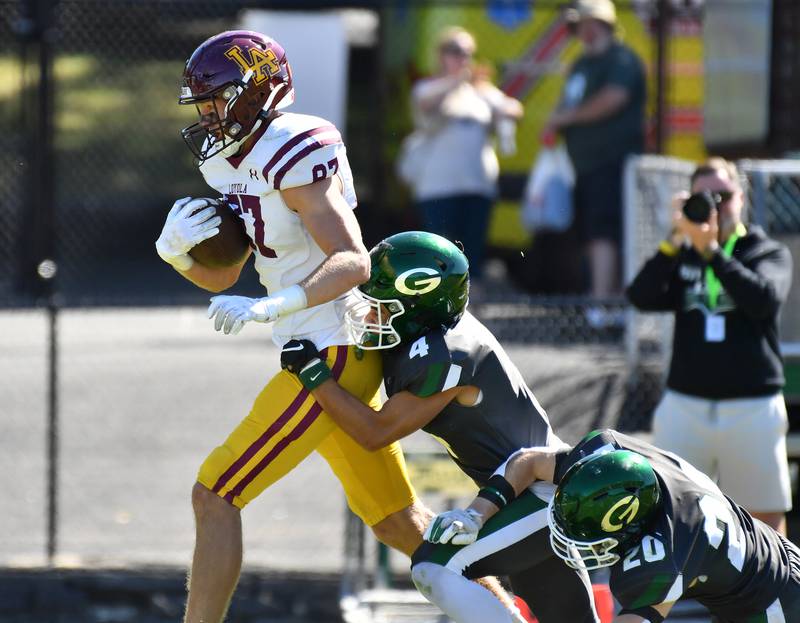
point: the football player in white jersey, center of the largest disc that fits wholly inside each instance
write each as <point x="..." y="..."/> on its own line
<point x="288" y="178"/>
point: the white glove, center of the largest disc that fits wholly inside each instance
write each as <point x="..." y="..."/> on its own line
<point x="183" y="230"/>
<point x="230" y="313"/>
<point x="459" y="527"/>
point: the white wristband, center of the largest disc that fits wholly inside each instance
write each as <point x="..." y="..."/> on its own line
<point x="289" y="300"/>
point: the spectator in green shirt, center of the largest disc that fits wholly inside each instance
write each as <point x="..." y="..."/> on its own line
<point x="601" y="118"/>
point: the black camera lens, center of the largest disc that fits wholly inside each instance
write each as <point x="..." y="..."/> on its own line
<point x="698" y="206"/>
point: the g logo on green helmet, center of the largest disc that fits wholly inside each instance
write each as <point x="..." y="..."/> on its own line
<point x="416" y="281"/>
<point x="627" y="515"/>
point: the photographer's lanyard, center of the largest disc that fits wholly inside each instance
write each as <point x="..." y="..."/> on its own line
<point x="713" y="285"/>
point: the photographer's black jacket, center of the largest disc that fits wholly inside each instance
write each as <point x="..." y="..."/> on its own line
<point x="755" y="283"/>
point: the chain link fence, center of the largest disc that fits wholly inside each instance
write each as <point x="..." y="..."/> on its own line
<point x="112" y="75"/>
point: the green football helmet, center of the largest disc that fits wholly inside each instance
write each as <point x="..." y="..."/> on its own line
<point x="419" y="281"/>
<point x="602" y="505"/>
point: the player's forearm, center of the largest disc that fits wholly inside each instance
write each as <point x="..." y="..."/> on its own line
<point x="341" y="271"/>
<point x="520" y="471"/>
<point x="529" y="466"/>
<point x="212" y="279"/>
<point x="358" y="420"/>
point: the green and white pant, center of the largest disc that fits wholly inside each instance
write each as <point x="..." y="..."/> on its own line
<point x="515" y="542"/>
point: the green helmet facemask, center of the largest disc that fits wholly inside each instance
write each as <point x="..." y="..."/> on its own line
<point x="602" y="505"/>
<point x="418" y="281"/>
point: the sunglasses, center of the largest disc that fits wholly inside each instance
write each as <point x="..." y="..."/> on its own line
<point x="455" y="50"/>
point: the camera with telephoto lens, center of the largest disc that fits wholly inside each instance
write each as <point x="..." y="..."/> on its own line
<point x="698" y="206"/>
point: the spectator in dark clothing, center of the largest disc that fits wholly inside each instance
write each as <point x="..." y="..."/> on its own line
<point x="723" y="409"/>
<point x="601" y="117"/>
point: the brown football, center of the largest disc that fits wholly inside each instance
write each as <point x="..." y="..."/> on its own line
<point x="227" y="248"/>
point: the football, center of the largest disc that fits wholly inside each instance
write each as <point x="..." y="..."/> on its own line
<point x="227" y="248"/>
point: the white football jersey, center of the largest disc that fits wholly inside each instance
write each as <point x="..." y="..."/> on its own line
<point x="293" y="150"/>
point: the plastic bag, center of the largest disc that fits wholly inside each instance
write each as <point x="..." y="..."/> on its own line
<point x="547" y="203"/>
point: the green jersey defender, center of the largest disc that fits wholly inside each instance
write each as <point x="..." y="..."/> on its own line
<point x="433" y="344"/>
<point x="667" y="532"/>
<point x="417" y="295"/>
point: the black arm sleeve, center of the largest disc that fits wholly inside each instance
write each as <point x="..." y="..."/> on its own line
<point x="561" y="456"/>
<point x="655" y="288"/>
<point x="760" y="288"/>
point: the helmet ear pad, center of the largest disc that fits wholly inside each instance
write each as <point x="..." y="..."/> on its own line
<point x="243" y="111"/>
<point x="246" y="106"/>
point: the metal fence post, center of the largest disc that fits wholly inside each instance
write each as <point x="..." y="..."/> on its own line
<point x="52" y="420"/>
<point x="38" y="244"/>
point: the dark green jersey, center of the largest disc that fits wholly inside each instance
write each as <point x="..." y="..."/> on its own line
<point x="507" y="416"/>
<point x="591" y="145"/>
<point x="702" y="546"/>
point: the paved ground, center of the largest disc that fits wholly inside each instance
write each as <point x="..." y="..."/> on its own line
<point x="143" y="395"/>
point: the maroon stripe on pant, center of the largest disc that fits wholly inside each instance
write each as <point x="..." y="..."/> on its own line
<point x="339" y="362"/>
<point x="259" y="443"/>
<point x="296" y="433"/>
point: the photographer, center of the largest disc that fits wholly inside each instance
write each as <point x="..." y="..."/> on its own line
<point x="723" y="409"/>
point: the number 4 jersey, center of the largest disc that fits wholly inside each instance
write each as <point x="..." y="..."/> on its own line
<point x="292" y="150"/>
<point x="702" y="546"/>
<point x="505" y="418"/>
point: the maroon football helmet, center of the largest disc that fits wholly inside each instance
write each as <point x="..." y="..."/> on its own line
<point x="245" y="69"/>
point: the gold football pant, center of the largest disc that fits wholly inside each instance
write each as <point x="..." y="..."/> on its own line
<point x="286" y="424"/>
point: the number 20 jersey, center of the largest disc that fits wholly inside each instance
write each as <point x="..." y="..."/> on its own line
<point x="702" y="546"/>
<point x="292" y="150"/>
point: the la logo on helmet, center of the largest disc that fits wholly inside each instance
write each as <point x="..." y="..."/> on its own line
<point x="413" y="282"/>
<point x="629" y="513"/>
<point x="263" y="64"/>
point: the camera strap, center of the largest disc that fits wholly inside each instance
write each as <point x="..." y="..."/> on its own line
<point x="713" y="284"/>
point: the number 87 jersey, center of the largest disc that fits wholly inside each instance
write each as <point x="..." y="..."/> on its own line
<point x="700" y="545"/>
<point x="292" y="150"/>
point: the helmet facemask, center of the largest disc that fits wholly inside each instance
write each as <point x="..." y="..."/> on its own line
<point x="369" y="322"/>
<point x="212" y="135"/>
<point x="577" y="554"/>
